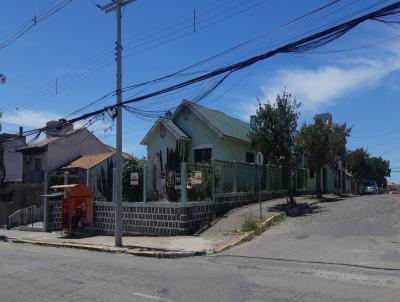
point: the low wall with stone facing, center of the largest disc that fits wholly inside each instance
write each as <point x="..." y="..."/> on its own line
<point x="161" y="218"/>
<point x="158" y="218"/>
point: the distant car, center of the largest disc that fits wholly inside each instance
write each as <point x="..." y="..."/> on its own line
<point x="394" y="192"/>
<point x="370" y="187"/>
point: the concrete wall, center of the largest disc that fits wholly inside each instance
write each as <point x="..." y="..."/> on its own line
<point x="330" y="182"/>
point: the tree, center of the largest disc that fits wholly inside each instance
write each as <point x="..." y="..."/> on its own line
<point x="275" y="133"/>
<point x="105" y="181"/>
<point x="379" y="170"/>
<point x="364" y="167"/>
<point x="132" y="193"/>
<point x="357" y="164"/>
<point x="3" y="78"/>
<point x="322" y="144"/>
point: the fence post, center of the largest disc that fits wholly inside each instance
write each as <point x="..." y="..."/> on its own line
<point x="280" y="178"/>
<point x="213" y="179"/>
<point x="45" y="203"/>
<point x="145" y="183"/>
<point x="88" y="177"/>
<point x="65" y="177"/>
<point x="183" y="184"/>
<point x="234" y="176"/>
<point x="267" y="178"/>
<point x="253" y="178"/>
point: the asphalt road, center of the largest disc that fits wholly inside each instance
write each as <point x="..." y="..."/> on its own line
<point x="344" y="251"/>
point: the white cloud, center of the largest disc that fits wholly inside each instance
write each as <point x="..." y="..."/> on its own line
<point x="325" y="84"/>
<point x="29" y="118"/>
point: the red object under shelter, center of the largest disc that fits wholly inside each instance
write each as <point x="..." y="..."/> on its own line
<point x="77" y="200"/>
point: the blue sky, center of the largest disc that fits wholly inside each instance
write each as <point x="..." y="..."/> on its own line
<point x="358" y="86"/>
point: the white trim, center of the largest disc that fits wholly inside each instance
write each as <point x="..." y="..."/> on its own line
<point x="203" y="146"/>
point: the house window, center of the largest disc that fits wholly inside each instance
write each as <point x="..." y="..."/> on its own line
<point x="249" y="157"/>
<point x="202" y="155"/>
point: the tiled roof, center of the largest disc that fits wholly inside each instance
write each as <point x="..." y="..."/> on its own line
<point x="88" y="161"/>
<point x="124" y="154"/>
<point x="225" y="124"/>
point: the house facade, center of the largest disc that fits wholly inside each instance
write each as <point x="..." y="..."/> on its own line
<point x="202" y="133"/>
<point x="62" y="145"/>
<point x="88" y="168"/>
<point x="11" y="159"/>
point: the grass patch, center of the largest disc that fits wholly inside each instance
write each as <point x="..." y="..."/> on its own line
<point x="251" y="224"/>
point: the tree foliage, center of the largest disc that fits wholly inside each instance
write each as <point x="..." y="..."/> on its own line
<point x="130" y="192"/>
<point x="105" y="181"/>
<point x="276" y="125"/>
<point x="322" y="144"/>
<point x="275" y="133"/>
<point x="3" y="78"/>
<point x="364" y="167"/>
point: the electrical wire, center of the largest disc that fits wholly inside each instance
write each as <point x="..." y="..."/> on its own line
<point x="307" y="43"/>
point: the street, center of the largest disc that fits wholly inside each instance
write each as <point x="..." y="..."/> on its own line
<point x="347" y="250"/>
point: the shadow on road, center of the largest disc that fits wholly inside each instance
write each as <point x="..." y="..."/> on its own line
<point x="298" y="210"/>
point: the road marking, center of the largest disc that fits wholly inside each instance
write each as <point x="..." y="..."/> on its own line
<point x="155" y="298"/>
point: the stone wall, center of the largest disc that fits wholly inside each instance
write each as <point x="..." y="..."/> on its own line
<point x="161" y="218"/>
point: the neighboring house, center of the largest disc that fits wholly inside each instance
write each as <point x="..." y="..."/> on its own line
<point x="88" y="168"/>
<point x="62" y="145"/>
<point x="11" y="159"/>
<point x="206" y="132"/>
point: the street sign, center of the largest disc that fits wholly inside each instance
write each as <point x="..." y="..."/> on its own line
<point x="259" y="159"/>
<point x="134" y="178"/>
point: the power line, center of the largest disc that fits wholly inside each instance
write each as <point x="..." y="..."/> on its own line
<point x="33" y="22"/>
<point x="100" y="62"/>
<point x="307" y="43"/>
<point x="181" y="73"/>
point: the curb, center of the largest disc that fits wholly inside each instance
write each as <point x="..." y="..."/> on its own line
<point x="109" y="249"/>
<point x="249" y="235"/>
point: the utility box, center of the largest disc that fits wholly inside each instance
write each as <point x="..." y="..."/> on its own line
<point x="77" y="201"/>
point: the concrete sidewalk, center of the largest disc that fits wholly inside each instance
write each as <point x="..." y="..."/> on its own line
<point x="223" y="234"/>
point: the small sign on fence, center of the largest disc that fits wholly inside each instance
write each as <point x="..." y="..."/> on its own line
<point x="198" y="178"/>
<point x="134" y="178"/>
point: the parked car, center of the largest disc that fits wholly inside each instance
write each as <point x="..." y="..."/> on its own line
<point x="370" y="187"/>
<point x="394" y="192"/>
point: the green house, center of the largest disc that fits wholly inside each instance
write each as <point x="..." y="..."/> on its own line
<point x="206" y="132"/>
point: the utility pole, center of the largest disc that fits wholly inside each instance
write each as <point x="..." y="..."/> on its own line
<point x="116" y="5"/>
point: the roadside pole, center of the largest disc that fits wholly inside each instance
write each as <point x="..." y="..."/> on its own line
<point x="46" y="203"/>
<point x="117" y="5"/>
<point x="259" y="161"/>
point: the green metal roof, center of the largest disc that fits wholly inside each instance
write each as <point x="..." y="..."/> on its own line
<point x="178" y="132"/>
<point x="225" y="124"/>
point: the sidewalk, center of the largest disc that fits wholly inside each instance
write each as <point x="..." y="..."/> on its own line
<point x="225" y="233"/>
